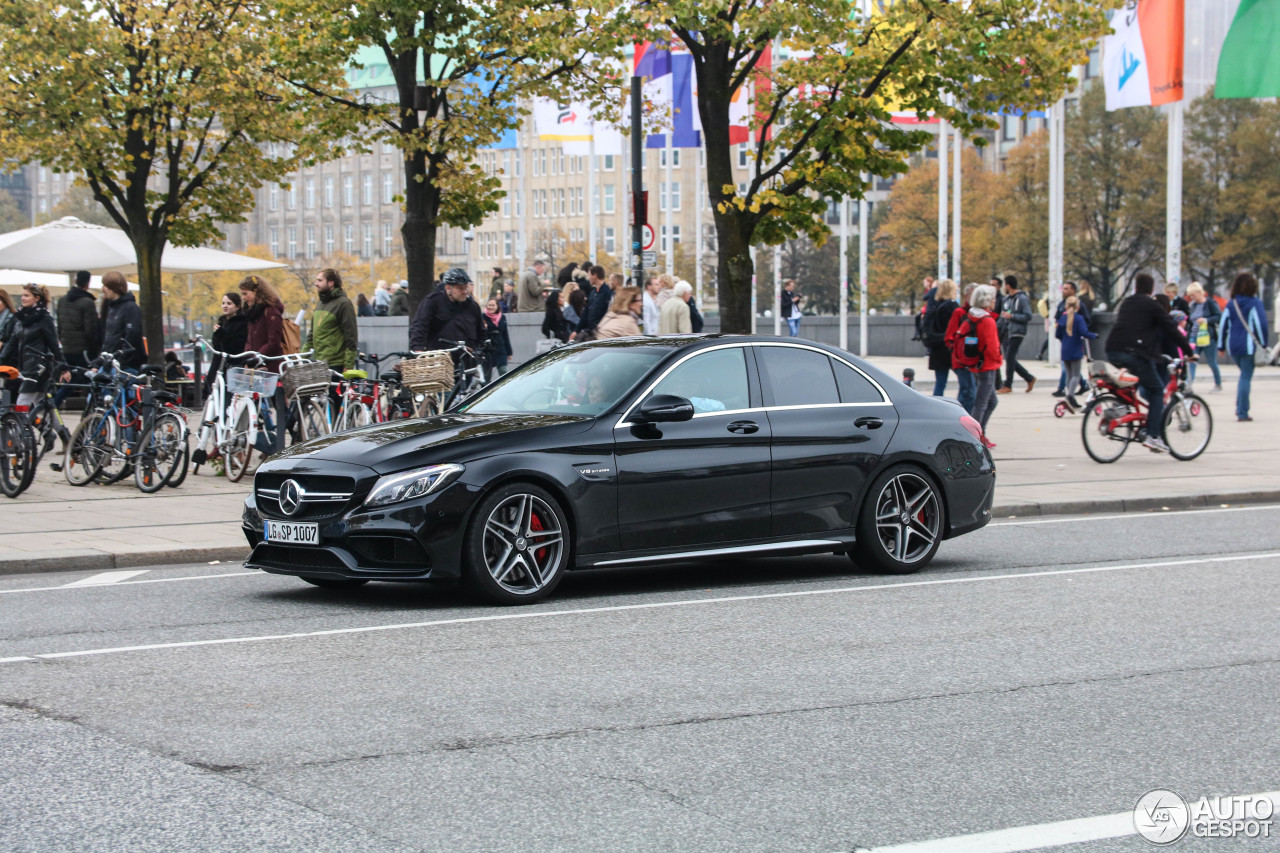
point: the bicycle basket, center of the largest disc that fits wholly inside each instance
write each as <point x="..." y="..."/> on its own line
<point x="307" y="376"/>
<point x="242" y="380"/>
<point x="432" y="371"/>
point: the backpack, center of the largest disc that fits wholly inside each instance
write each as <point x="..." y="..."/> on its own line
<point x="964" y="349"/>
<point x="933" y="336"/>
<point x="290" y="337"/>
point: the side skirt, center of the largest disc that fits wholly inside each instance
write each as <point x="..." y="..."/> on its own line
<point x="837" y="543"/>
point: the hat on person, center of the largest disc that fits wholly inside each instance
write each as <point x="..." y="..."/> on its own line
<point x="457" y="277"/>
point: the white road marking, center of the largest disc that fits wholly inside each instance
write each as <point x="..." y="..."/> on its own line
<point x="105" y="578"/>
<point x="1075" y="519"/>
<point x="1034" y="837"/>
<point x="508" y="616"/>
<point x="131" y="583"/>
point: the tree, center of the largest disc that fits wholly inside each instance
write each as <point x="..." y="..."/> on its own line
<point x="1020" y="214"/>
<point x="175" y="112"/>
<point x="11" y="216"/>
<point x="464" y="65"/>
<point x="79" y="202"/>
<point x="821" y="116"/>
<point x="1115" y="192"/>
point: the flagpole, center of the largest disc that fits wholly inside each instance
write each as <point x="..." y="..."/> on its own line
<point x="777" y="289"/>
<point x="1057" y="174"/>
<point x="697" y="219"/>
<point x="522" y="235"/>
<point x="591" y="198"/>
<point x="844" y="273"/>
<point x="862" y="268"/>
<point x="956" y="198"/>
<point x="669" y="243"/>
<point x="942" y="197"/>
<point x="1173" y="214"/>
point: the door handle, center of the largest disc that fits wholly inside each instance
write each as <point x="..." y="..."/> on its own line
<point x="744" y="427"/>
<point x="868" y="422"/>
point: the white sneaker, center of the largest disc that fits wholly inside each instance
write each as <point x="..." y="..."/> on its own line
<point x="1155" y="444"/>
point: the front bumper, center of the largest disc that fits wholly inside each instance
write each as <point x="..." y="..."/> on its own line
<point x="418" y="540"/>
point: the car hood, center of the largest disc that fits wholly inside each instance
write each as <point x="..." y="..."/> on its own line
<point x="402" y="444"/>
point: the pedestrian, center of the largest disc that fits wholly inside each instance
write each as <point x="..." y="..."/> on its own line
<point x="8" y="316"/>
<point x="78" y="326"/>
<point x="381" y="298"/>
<point x="531" y="292"/>
<point x="1073" y="330"/>
<point x="1135" y="342"/>
<point x="1017" y="313"/>
<point x="1243" y="332"/>
<point x="229" y="334"/>
<point x="1068" y="292"/>
<point x="567" y="273"/>
<point x="651" y="309"/>
<point x="335" y="335"/>
<point x="363" y="308"/>
<point x="447" y="316"/>
<point x="599" y="299"/>
<point x="122" y="323"/>
<point x="574" y="304"/>
<point x="936" y="323"/>
<point x="399" y="301"/>
<point x="977" y="348"/>
<point x="1176" y="302"/>
<point x="666" y="286"/>
<point x="495" y="289"/>
<point x="926" y="302"/>
<point x="508" y="299"/>
<point x="623" y="319"/>
<point x="675" y="318"/>
<point x="1202" y="329"/>
<point x="695" y="316"/>
<point x="495" y="327"/>
<point x="264" y="316"/>
<point x="33" y="347"/>
<point x="964" y="376"/>
<point x="789" y="307"/>
<point x="554" y="324"/>
<point x="1088" y="302"/>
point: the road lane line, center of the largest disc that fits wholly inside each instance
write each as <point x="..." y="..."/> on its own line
<point x="1038" y="836"/>
<point x="1131" y="515"/>
<point x="508" y="616"/>
<point x="104" y="578"/>
<point x="133" y="583"/>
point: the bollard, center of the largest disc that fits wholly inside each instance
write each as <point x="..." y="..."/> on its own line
<point x="198" y="369"/>
<point x="282" y="419"/>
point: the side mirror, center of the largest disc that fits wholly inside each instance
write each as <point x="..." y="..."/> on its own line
<point x="663" y="408"/>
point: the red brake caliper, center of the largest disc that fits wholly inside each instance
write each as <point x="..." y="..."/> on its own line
<point x="535" y="523"/>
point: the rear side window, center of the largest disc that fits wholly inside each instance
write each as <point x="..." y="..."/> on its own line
<point x="798" y="377"/>
<point x="854" y="387"/>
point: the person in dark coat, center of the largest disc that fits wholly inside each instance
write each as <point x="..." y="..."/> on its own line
<point x="229" y="334"/>
<point x="934" y="333"/>
<point x="33" y="347"/>
<point x="554" y="324"/>
<point x="598" y="301"/>
<point x="399" y="301"/>
<point x="363" y="308"/>
<point x="122" y="323"/>
<point x="447" y="315"/>
<point x="78" y="325"/>
<point x="1136" y="342"/>
<point x="495" y="326"/>
<point x="265" y="315"/>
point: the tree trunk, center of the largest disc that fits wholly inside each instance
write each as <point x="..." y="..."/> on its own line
<point x="421" y="204"/>
<point x="735" y="273"/>
<point x="149" y="247"/>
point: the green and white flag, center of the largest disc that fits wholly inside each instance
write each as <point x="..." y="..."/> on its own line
<point x="1250" y="64"/>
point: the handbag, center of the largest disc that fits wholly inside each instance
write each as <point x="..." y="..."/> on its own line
<point x="1261" y="355"/>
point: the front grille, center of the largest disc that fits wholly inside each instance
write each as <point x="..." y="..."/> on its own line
<point x="402" y="553"/>
<point x="295" y="559"/>
<point x="328" y="496"/>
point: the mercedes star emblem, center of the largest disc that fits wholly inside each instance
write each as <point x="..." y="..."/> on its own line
<point x="290" y="497"/>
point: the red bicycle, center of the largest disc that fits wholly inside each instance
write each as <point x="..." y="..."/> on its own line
<point x="1115" y="415"/>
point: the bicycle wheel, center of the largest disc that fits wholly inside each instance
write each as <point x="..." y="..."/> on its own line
<point x="357" y="415"/>
<point x="429" y="405"/>
<point x="158" y="452"/>
<point x="88" y="449"/>
<point x="1188" y="426"/>
<point x="118" y="464"/>
<point x="1105" y="441"/>
<point x="179" y="472"/>
<point x="17" y="455"/>
<point x="313" y="418"/>
<point x="238" y="450"/>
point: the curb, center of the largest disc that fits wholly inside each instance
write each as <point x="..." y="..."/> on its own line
<point x="1133" y="504"/>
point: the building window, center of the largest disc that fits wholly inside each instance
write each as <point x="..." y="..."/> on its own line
<point x="388" y="192"/>
<point x="607" y="166"/>
<point x="348" y="239"/>
<point x="328" y="239"/>
<point x="311" y="241"/>
<point x="293" y="242"/>
<point x="519" y="208"/>
<point x="366" y="189"/>
<point x="742" y="156"/>
<point x="368" y="239"/>
<point x="311" y="193"/>
<point x="675" y="238"/>
<point x="560" y="157"/>
<point x="273" y="197"/>
<point x="293" y="197"/>
<point x="542" y="161"/>
<point x="608" y="198"/>
<point x="506" y="162"/>
<point x="1009" y="128"/>
<point x="43" y="206"/>
<point x="387" y="239"/>
<point x="506" y="205"/>
<point x="1093" y="67"/>
<point x="506" y="244"/>
<point x="610" y="242"/>
<point x="675" y="158"/>
<point x="274" y="242"/>
<point x="328" y="192"/>
<point x="348" y="191"/>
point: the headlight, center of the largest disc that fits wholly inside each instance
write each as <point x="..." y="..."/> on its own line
<point x="411" y="484"/>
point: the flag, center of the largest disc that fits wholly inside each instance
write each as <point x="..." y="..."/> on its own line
<point x="652" y="64"/>
<point x="573" y="125"/>
<point x="1142" y="59"/>
<point x="684" y="110"/>
<point x="1249" y="66"/>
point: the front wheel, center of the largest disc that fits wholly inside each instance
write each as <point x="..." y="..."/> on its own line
<point x="1104" y="439"/>
<point x="17" y="455"/>
<point x="517" y="548"/>
<point x="159" y="453"/>
<point x="900" y="526"/>
<point x="1188" y="426"/>
<point x="89" y="448"/>
<point x="313" y="418"/>
<point x="239" y="447"/>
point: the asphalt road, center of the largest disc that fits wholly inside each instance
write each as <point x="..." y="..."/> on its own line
<point x="1037" y="672"/>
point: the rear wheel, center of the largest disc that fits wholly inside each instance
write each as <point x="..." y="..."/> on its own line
<point x="179" y="473"/>
<point x="88" y="449"/>
<point x="900" y="525"/>
<point x="1105" y="440"/>
<point x="159" y="452"/>
<point x="517" y="548"/>
<point x="17" y="455"/>
<point x="313" y="418"/>
<point x="1188" y="426"/>
<point x="238" y="450"/>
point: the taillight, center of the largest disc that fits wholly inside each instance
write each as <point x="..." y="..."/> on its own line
<point x="971" y="426"/>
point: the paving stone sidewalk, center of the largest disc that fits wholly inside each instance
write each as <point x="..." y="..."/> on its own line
<point x="1042" y="470"/>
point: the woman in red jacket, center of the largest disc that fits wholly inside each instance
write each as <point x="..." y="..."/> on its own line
<point x="265" y="313"/>
<point x="982" y="327"/>
<point x="964" y="377"/>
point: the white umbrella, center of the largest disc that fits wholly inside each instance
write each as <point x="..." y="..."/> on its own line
<point x="12" y="280"/>
<point x="68" y="244"/>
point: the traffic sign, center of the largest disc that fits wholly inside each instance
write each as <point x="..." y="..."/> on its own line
<point x="649" y="236"/>
<point x="650" y="258"/>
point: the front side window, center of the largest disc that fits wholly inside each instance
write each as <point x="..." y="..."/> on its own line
<point x="574" y="382"/>
<point x="798" y="377"/>
<point x="715" y="381"/>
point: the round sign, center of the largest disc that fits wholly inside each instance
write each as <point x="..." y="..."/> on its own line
<point x="649" y="236"/>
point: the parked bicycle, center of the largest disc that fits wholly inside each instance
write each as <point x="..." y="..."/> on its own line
<point x="468" y="378"/>
<point x="1115" y="416"/>
<point x="17" y="443"/>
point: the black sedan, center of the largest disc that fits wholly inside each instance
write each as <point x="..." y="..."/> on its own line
<point x="625" y="452"/>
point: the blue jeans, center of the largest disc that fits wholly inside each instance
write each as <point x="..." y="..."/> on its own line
<point x="1149" y="382"/>
<point x="968" y="388"/>
<point x="794" y="327"/>
<point x="1209" y="356"/>
<point x="940" y="382"/>
<point x="1245" y="363"/>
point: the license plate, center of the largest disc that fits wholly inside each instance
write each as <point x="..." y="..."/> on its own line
<point x="292" y="532"/>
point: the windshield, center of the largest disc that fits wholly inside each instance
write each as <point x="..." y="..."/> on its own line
<point x="569" y="381"/>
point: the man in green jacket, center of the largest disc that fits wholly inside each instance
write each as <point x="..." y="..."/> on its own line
<point x="334" y="337"/>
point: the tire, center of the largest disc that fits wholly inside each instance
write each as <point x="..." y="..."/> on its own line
<point x="313" y="418"/>
<point x="17" y="455"/>
<point x="334" y="583"/>
<point x="1103" y="442"/>
<point x="179" y="473"/>
<point x="86" y="452"/>
<point x="517" y="547"/>
<point x="239" y="450"/>
<point x="1188" y="426"/>
<point x="117" y="465"/>
<point x="159" y="453"/>
<point x="430" y="405"/>
<point x="901" y="522"/>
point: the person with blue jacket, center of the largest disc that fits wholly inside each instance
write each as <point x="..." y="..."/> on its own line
<point x="1243" y="329"/>
<point x="1072" y="330"/>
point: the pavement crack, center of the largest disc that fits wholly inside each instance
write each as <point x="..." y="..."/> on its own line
<point x="660" y="791"/>
<point x="43" y="713"/>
